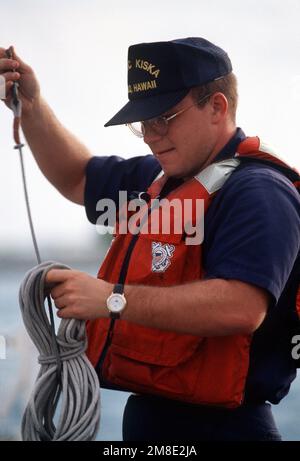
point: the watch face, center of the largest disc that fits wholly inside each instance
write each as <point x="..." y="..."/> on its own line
<point x="116" y="303"/>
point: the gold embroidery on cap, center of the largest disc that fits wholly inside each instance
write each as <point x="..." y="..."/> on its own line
<point x="147" y="66"/>
<point x="142" y="86"/>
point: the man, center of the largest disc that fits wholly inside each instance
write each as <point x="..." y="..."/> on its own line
<point x="200" y="333"/>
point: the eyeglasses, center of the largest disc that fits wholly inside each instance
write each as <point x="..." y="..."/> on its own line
<point x="159" y="125"/>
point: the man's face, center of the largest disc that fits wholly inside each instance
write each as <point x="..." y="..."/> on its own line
<point x="189" y="142"/>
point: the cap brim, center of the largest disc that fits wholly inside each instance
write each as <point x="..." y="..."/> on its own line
<point x="146" y="108"/>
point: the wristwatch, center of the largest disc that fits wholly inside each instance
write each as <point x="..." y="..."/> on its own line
<point x="116" y="302"/>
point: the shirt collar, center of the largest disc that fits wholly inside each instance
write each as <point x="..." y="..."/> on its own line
<point x="230" y="148"/>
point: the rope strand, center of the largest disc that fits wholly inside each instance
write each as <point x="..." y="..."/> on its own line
<point x="33" y="235"/>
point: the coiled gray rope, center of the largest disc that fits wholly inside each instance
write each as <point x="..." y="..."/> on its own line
<point x="75" y="391"/>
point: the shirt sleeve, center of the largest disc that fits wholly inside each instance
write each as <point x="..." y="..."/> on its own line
<point x="252" y="229"/>
<point x="107" y="175"/>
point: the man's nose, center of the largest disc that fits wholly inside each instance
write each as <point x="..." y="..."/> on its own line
<point x="150" y="135"/>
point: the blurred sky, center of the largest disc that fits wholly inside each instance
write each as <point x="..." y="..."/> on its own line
<point x="79" y="52"/>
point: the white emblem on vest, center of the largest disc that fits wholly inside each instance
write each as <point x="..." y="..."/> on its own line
<point x="161" y="254"/>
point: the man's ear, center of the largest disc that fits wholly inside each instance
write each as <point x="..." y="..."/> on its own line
<point x="219" y="105"/>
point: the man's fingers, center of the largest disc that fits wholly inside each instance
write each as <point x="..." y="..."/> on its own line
<point x="8" y="64"/>
<point x="58" y="290"/>
<point x="18" y="59"/>
<point x="15" y="62"/>
<point x="8" y="86"/>
<point x="14" y="56"/>
<point x="69" y="313"/>
<point x="60" y="302"/>
<point x="11" y="75"/>
<point x="58" y="275"/>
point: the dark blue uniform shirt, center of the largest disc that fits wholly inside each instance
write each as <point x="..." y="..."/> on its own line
<point x="252" y="234"/>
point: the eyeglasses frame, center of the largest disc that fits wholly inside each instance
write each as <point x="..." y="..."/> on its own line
<point x="165" y="118"/>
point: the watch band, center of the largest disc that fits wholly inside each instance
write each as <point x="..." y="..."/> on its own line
<point x="114" y="315"/>
<point x="118" y="288"/>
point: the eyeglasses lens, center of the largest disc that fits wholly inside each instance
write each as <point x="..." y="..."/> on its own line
<point x="159" y="125"/>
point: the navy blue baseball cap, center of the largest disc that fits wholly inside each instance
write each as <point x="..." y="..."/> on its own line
<point x="160" y="74"/>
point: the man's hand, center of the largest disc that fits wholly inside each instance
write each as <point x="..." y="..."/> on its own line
<point x="78" y="295"/>
<point x="15" y="70"/>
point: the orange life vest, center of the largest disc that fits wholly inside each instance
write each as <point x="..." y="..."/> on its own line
<point x="201" y="370"/>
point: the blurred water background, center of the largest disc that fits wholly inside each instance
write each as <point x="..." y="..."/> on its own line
<point x="19" y="369"/>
